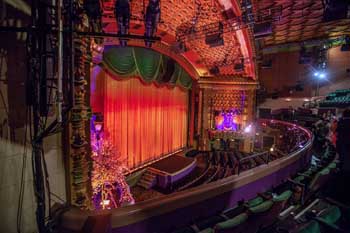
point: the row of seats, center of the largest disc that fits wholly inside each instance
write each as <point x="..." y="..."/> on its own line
<point x="245" y="217"/>
<point x="313" y="215"/>
<point x="318" y="174"/>
<point x="339" y="98"/>
<point x="261" y="212"/>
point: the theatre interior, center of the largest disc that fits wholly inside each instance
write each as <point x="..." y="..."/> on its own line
<point x="175" y="116"/>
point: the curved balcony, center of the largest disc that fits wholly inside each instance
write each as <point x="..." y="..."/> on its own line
<point x="179" y="208"/>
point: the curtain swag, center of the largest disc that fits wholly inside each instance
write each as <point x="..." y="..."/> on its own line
<point x="149" y="65"/>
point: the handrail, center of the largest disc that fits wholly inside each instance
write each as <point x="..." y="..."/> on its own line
<point x="195" y="180"/>
<point x="213" y="176"/>
<point x="240" y="161"/>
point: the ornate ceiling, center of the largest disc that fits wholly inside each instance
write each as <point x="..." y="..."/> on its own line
<point x="177" y="13"/>
<point x="301" y="20"/>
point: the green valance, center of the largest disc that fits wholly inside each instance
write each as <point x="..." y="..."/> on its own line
<point x="150" y="65"/>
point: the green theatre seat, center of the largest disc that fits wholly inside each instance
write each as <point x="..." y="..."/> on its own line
<point x="209" y="222"/>
<point x="207" y="230"/>
<point x="231" y="223"/>
<point x="263" y="207"/>
<point x="283" y="196"/>
<point x="312" y="227"/>
<point x="332" y="165"/>
<point x="254" y="202"/>
<point x="315" y="181"/>
<point x="331" y="215"/>
<point x="299" y="179"/>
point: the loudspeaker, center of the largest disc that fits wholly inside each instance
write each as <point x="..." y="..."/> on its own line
<point x="215" y="39"/>
<point x="239" y="67"/>
<point x="229" y="14"/>
<point x="214" y="70"/>
<point x="262" y="29"/>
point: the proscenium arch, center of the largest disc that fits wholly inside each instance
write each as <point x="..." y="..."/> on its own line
<point x="195" y="72"/>
<point x="191" y="60"/>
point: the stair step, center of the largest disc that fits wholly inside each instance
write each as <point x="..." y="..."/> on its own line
<point x="145" y="185"/>
<point x="148" y="178"/>
<point x="145" y="182"/>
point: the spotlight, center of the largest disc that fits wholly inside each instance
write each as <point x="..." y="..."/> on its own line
<point x="248" y="129"/>
<point x="152" y="18"/>
<point x="322" y="75"/>
<point x="316" y="74"/>
<point x="122" y="14"/>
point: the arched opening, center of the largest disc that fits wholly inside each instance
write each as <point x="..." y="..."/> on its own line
<point x="143" y="97"/>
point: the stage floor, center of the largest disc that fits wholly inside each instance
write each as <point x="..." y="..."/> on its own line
<point x="173" y="164"/>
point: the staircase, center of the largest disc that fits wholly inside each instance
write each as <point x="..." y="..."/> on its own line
<point x="147" y="180"/>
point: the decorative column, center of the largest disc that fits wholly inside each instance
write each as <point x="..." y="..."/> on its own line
<point x="79" y="151"/>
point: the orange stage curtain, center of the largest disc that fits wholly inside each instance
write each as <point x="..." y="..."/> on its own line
<point x="142" y="120"/>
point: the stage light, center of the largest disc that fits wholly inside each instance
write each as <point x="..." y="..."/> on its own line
<point x="248" y="129"/>
<point x="322" y="75"/>
<point x="122" y="15"/>
<point x="316" y="74"/>
<point x="98" y="126"/>
<point x="152" y="19"/>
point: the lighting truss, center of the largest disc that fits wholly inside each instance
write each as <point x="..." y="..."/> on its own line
<point x="190" y="31"/>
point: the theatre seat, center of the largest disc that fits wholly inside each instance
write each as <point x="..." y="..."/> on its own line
<point x="235" y="223"/>
<point x="261" y="208"/>
<point x="207" y="230"/>
<point x="232" y="212"/>
<point x="254" y="202"/>
<point x="184" y="230"/>
<point x="265" y="214"/>
<point x="329" y="220"/>
<point x="330" y="215"/>
<point x="283" y="196"/>
<point x="320" y="179"/>
<point x="209" y="222"/>
<point x="311" y="227"/>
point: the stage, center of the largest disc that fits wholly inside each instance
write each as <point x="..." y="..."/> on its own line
<point x="167" y="171"/>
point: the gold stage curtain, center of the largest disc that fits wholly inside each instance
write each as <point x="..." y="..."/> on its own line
<point x="144" y="121"/>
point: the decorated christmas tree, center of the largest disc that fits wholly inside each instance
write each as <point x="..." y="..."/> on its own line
<point x="110" y="189"/>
